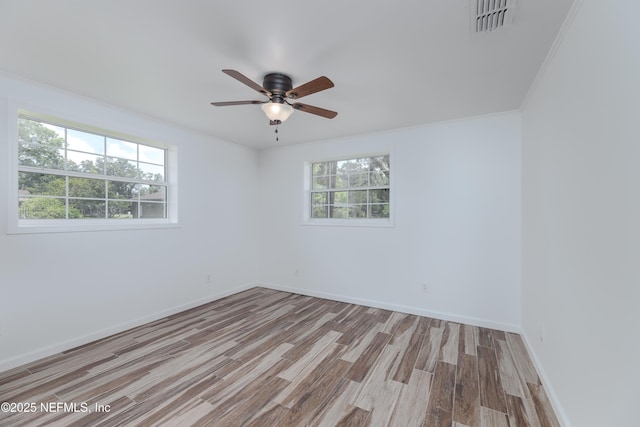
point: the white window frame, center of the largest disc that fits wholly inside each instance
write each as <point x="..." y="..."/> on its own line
<point x="347" y="222"/>
<point x="15" y="225"/>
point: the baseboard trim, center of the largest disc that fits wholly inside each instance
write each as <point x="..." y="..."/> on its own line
<point x="43" y="352"/>
<point x="397" y="307"/>
<point x="553" y="397"/>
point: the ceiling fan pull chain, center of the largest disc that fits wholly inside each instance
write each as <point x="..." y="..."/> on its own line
<point x="277" y="134"/>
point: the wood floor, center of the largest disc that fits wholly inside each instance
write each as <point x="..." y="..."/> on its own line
<point x="269" y="358"/>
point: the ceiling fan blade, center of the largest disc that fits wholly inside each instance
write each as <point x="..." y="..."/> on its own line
<point x="246" y="80"/>
<point x="314" y="110"/>
<point x="227" y="103"/>
<point x="321" y="83"/>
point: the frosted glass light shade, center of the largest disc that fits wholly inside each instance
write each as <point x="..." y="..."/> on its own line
<point x="276" y="111"/>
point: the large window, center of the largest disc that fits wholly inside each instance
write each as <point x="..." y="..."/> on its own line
<point x="350" y="189"/>
<point x="67" y="174"/>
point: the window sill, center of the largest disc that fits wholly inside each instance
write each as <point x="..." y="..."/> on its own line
<point x="378" y="223"/>
<point x="37" y="227"/>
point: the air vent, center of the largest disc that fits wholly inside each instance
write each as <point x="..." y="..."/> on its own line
<point x="490" y="15"/>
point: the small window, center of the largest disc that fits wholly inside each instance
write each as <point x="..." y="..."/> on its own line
<point x="68" y="175"/>
<point x="350" y="189"/>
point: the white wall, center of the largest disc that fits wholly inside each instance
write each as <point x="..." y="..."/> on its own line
<point x="456" y="190"/>
<point x="64" y="289"/>
<point x="457" y="205"/>
<point x="581" y="216"/>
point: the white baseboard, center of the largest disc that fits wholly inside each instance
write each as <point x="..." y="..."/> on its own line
<point x="40" y="353"/>
<point x="400" y="308"/>
<point x="551" y="394"/>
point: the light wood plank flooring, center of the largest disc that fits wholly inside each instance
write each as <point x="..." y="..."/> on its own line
<point x="269" y="358"/>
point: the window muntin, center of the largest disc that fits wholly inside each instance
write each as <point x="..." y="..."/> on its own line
<point x="71" y="174"/>
<point x="349" y="189"/>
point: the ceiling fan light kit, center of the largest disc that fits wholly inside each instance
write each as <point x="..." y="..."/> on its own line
<point x="276" y="111"/>
<point x="278" y="88"/>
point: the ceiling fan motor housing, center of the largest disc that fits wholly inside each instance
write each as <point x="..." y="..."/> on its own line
<point x="278" y="84"/>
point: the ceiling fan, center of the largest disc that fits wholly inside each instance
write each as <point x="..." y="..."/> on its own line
<point x="279" y="89"/>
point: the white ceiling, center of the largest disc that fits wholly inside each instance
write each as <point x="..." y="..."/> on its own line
<point x="394" y="63"/>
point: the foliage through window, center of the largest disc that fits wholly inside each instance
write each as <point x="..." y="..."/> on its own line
<point x="351" y="189"/>
<point x="66" y="173"/>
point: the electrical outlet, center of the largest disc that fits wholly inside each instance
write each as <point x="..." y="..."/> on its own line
<point x="425" y="288"/>
<point x="297" y="272"/>
<point x="208" y="278"/>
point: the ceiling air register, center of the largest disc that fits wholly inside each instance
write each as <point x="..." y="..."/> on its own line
<point x="490" y="15"/>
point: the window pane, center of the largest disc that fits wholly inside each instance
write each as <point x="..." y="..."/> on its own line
<point x="151" y="154"/>
<point x="379" y="196"/>
<point x="340" y="197"/>
<point x="85" y="187"/>
<point x="338" y="212"/>
<point x="122" y="149"/>
<point x="379" y="211"/>
<point x="41" y="208"/>
<point x="359" y="180"/>
<point x="40" y="184"/>
<point x="358" y="211"/>
<point x="319" y="212"/>
<point x="83" y="162"/>
<point x="122" y="190"/>
<point x="340" y="181"/>
<point x="41" y="156"/>
<point x="320" y="182"/>
<point x="155" y="193"/>
<point x="151" y="172"/>
<point x="319" y="198"/>
<point x="41" y="133"/>
<point x="354" y="166"/>
<point x="320" y="169"/>
<point x="362" y="164"/>
<point x="151" y="210"/>
<point x="359" y="196"/>
<point x="379" y="178"/>
<point x="379" y="163"/>
<point x="343" y="165"/>
<point x="122" y="209"/>
<point x="123" y="168"/>
<point x="88" y="208"/>
<point x="83" y="141"/>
